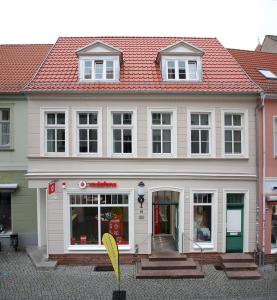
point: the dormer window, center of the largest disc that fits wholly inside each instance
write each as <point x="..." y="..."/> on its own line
<point x="181" y="62"/>
<point x="99" y="62"/>
<point x="267" y="74"/>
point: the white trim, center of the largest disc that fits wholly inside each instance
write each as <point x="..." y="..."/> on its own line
<point x="43" y="148"/>
<point x="133" y="126"/>
<point x="96" y="248"/>
<point x="75" y="111"/>
<point x="245" y="217"/>
<point x="208" y="245"/>
<point x="173" y="112"/>
<point x="180" y="209"/>
<point x="245" y="133"/>
<point x="212" y="133"/>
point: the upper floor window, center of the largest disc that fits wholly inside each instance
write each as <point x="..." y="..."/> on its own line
<point x="4" y="127"/>
<point x="99" y="69"/>
<point x="181" y="69"/>
<point x="233" y="133"/>
<point x="55" y="132"/>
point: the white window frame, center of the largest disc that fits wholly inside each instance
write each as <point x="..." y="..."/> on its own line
<point x="116" y="68"/>
<point x="205" y="245"/>
<point x="68" y="248"/>
<point x="173" y="127"/>
<point x="274" y="137"/>
<point x="212" y="133"/>
<point x="43" y="146"/>
<point x="245" y="217"/>
<point x="75" y="134"/>
<point x="244" y="135"/>
<point x="110" y="127"/>
<point x="176" y="60"/>
<point x="11" y="122"/>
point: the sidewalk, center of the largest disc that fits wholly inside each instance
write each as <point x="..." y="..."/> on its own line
<point x="20" y="280"/>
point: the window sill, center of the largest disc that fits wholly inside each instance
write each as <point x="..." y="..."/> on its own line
<point x="96" y="248"/>
<point x="204" y="246"/>
<point x="235" y="156"/>
<point x="6" y="149"/>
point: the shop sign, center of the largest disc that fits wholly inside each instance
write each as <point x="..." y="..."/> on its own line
<point x="51" y="187"/>
<point x="98" y="184"/>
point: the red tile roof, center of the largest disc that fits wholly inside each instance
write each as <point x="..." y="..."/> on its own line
<point x="18" y="64"/>
<point x="139" y="72"/>
<point x="250" y="61"/>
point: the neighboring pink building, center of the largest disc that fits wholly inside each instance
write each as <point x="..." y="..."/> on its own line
<point x="262" y="69"/>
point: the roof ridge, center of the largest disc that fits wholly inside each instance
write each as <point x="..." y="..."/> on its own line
<point x="253" y="51"/>
<point x="40" y="44"/>
<point x="142" y="37"/>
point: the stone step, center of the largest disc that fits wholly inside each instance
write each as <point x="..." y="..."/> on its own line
<point x="147" y="264"/>
<point x="243" y="274"/>
<point x="239" y="266"/>
<point x="168" y="256"/>
<point x="236" y="257"/>
<point x="169" y="274"/>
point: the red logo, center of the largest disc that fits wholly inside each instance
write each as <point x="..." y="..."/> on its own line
<point x="82" y="184"/>
<point x="51" y="187"/>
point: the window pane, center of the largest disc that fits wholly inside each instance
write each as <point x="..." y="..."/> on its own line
<point x="237" y="135"/>
<point x="204" y="147"/>
<point x="5" y="115"/>
<point x="182" y="69"/>
<point x="5" y="134"/>
<point x="117" y="134"/>
<point x="93" y="134"/>
<point x="228" y="147"/>
<point x="192" y="70"/>
<point x="127" y="135"/>
<point x="204" y="119"/>
<point x="156" y="118"/>
<point x="127" y="147"/>
<point x="157" y="147"/>
<point x="109" y="70"/>
<point x="202" y="223"/>
<point x="88" y="70"/>
<point x="83" y="146"/>
<point x="127" y="138"/>
<point x="83" y="118"/>
<point x="51" y="134"/>
<point x="50" y="119"/>
<point x="50" y="146"/>
<point x="237" y="147"/>
<point x="166" y="119"/>
<point x="166" y="147"/>
<point x="98" y="65"/>
<point x="60" y="118"/>
<point x="171" y="69"/>
<point x="5" y="212"/>
<point x="115" y="220"/>
<point x="60" y="134"/>
<point x="228" y="135"/>
<point x="204" y="135"/>
<point x="167" y="135"/>
<point x="93" y="147"/>
<point x="84" y="225"/>
<point x="93" y="118"/>
<point x="117" y="118"/>
<point x="194" y="119"/>
<point x="83" y="134"/>
<point x="61" y="146"/>
<point x="117" y="147"/>
<point x="156" y="134"/>
<point x="127" y="118"/>
<point x="237" y="120"/>
<point x="228" y="120"/>
<point x="194" y="147"/>
<point x="195" y="135"/>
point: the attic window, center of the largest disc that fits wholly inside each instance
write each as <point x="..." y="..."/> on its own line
<point x="97" y="69"/>
<point x="267" y="74"/>
<point x="181" y="69"/>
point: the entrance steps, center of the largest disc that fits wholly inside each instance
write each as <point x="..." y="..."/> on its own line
<point x="239" y="266"/>
<point x="168" y="265"/>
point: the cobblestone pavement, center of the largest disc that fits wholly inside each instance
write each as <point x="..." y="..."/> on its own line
<point x="20" y="280"/>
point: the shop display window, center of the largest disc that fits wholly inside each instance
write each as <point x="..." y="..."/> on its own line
<point x="274" y="228"/>
<point x="202" y="213"/>
<point x="92" y="215"/>
<point x="5" y="212"/>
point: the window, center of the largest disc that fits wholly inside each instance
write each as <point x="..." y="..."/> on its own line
<point x="55" y="132"/>
<point x="202" y="217"/>
<point x="267" y="74"/>
<point x="181" y="69"/>
<point x="5" y="212"/>
<point x="122" y="132"/>
<point x="233" y="133"/>
<point x="92" y="215"/>
<point x="88" y="132"/>
<point x="4" y="127"/>
<point x="98" y="69"/>
<point x="200" y="133"/>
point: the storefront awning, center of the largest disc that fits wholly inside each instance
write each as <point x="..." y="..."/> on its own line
<point x="8" y="187"/>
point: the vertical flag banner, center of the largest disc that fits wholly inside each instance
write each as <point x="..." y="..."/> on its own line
<point x="111" y="247"/>
<point x="51" y="187"/>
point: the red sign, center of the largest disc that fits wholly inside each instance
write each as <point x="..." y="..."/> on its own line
<point x="157" y="219"/>
<point x="83" y="184"/>
<point x="51" y="187"/>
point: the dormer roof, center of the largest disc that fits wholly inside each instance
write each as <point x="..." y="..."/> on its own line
<point x="182" y="48"/>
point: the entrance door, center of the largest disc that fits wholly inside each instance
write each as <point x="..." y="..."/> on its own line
<point x="234" y="223"/>
<point x="177" y="227"/>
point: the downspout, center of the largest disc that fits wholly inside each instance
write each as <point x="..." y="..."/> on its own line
<point x="264" y="166"/>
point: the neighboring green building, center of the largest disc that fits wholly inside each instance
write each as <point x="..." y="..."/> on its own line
<point x="18" y="209"/>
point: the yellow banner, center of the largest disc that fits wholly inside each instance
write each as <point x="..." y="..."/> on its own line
<point x="111" y="247"/>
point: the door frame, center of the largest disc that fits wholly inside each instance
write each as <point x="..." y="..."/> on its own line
<point x="245" y="217"/>
<point x="150" y="213"/>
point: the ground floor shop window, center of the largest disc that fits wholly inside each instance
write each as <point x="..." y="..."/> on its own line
<point x="5" y="212"/>
<point x="92" y="215"/>
<point x="274" y="228"/>
<point x="202" y="214"/>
